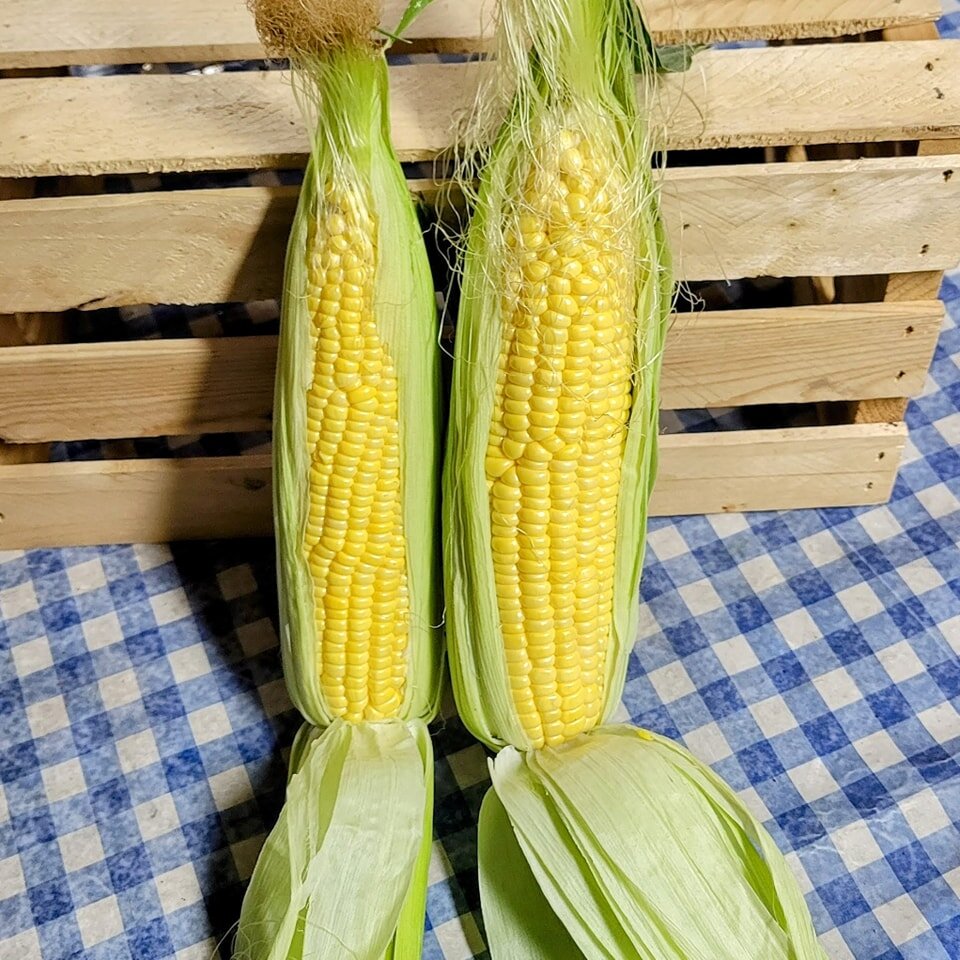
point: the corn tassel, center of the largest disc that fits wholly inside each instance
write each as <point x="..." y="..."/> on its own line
<point x="596" y="841"/>
<point x="356" y="455"/>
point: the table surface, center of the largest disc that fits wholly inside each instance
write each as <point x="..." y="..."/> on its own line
<point x="810" y="657"/>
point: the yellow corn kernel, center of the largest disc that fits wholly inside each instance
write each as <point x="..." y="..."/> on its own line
<point x="359" y="581"/>
<point x="561" y="405"/>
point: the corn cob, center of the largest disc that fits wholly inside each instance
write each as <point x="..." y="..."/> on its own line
<point x="356" y="453"/>
<point x="562" y="399"/>
<point x="596" y="841"/>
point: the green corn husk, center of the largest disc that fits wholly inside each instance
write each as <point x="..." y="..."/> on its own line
<point x="352" y="145"/>
<point x="344" y="871"/>
<point x="633" y="848"/>
<point x="591" y="74"/>
<point x="616" y="844"/>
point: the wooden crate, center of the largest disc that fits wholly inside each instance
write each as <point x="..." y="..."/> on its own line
<point x="833" y="163"/>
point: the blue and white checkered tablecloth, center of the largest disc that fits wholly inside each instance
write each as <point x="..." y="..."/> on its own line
<point x="811" y="657"/>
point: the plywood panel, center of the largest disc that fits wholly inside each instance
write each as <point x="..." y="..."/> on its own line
<point x="122" y="501"/>
<point x="825" y="93"/>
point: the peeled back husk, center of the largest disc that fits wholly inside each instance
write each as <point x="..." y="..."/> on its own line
<point x="343" y="872"/>
<point x="625" y="845"/>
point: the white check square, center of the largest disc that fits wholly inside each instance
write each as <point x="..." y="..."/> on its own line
<point x="81" y="848"/>
<point x="18" y="600"/>
<point x="210" y="723"/>
<point x="31" y="657"/>
<point x="48" y="716"/>
<point x="837" y="688"/>
<point x="137" y="751"/>
<point x="170" y="606"/>
<point x="901" y="919"/>
<point x="900" y="661"/>
<point x="237" y="582"/>
<point x="102" y="631"/>
<point x="86" y="576"/>
<point x="99" y="921"/>
<point x="63" y="780"/>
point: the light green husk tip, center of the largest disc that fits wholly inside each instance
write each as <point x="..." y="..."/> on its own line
<point x="343" y="874"/>
<point x="622" y="845"/>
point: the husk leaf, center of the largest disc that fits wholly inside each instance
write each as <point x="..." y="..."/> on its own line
<point x="641" y="851"/>
<point x="336" y="872"/>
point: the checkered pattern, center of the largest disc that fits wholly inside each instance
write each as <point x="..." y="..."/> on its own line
<point x="810" y="657"/>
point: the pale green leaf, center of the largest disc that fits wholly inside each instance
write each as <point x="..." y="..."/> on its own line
<point x="519" y="921"/>
<point x="414" y="9"/>
<point x="635" y="828"/>
<point x="407" y="943"/>
<point x="336" y="870"/>
<point x="555" y="860"/>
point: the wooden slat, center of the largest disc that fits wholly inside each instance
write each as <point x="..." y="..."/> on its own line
<point x="778" y="469"/>
<point x="730" y="358"/>
<point x="36" y="33"/>
<point x="203" y="246"/>
<point x="914" y="286"/>
<point x="798" y="354"/>
<point x="122" y="501"/>
<point x="892" y="406"/>
<point x="146" y="388"/>
<point x="778" y="95"/>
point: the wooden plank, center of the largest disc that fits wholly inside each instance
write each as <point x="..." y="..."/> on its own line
<point x="749" y="470"/>
<point x="798" y="354"/>
<point x="707" y="21"/>
<point x="36" y="33"/>
<point x="156" y="388"/>
<point x="777" y="95"/>
<point x="882" y="410"/>
<point x="729" y="358"/>
<point x="123" y="501"/>
<point x="903" y="287"/>
<point x="892" y="406"/>
<point x="203" y="246"/>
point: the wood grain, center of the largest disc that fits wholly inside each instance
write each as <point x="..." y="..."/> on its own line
<point x="798" y="354"/>
<point x="37" y="33"/>
<point x="124" y="501"/>
<point x="203" y="246"/>
<point x="729" y="358"/>
<point x="145" y="388"/>
<point x="778" y="95"/>
<point x="747" y="470"/>
<point x="891" y="407"/>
